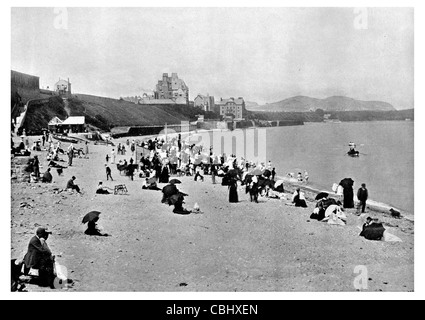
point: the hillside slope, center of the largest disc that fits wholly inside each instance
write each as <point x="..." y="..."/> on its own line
<point x="336" y="103"/>
<point x="106" y="113"/>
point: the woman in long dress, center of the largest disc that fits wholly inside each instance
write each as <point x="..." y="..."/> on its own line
<point x="233" y="191"/>
<point x="164" y="176"/>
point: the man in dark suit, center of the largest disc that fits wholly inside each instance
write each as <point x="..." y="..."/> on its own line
<point x="362" y="195"/>
<point x="71" y="185"/>
<point x="40" y="257"/>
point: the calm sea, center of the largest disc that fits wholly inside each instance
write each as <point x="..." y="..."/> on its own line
<point x="386" y="162"/>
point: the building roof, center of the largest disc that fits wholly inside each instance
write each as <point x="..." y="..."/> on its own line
<point x="225" y="101"/>
<point x="201" y="96"/>
<point x="55" y="121"/>
<point x="61" y="81"/>
<point x="74" y="120"/>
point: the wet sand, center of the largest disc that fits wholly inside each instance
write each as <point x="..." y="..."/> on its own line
<point x="245" y="247"/>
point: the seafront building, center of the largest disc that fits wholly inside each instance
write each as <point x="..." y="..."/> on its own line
<point x="231" y="106"/>
<point x="171" y="90"/>
<point x="206" y="103"/>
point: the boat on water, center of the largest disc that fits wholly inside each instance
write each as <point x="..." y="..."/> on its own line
<point x="353" y="152"/>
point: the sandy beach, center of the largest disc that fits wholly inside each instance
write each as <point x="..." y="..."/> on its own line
<point x="229" y="247"/>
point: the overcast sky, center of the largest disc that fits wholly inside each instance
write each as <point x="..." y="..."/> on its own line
<point x="261" y="54"/>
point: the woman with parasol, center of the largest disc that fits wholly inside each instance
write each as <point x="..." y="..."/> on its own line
<point x="174" y="196"/>
<point x="91" y="218"/>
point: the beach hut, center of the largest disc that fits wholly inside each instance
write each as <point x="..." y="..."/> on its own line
<point x="53" y="124"/>
<point x="73" y="124"/>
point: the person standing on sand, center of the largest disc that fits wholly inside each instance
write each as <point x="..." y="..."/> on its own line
<point x="362" y="195"/>
<point x="306" y="176"/>
<point x="130" y="171"/>
<point x="36" y="167"/>
<point x="198" y="173"/>
<point x="87" y="148"/>
<point x="213" y="173"/>
<point x="113" y="155"/>
<point x="70" y="154"/>
<point x="273" y="173"/>
<point x="233" y="191"/>
<point x="108" y="173"/>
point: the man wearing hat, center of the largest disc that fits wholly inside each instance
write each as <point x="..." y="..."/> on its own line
<point x="40" y="257"/>
<point x="362" y="195"/>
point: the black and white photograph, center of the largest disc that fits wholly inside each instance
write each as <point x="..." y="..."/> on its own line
<point x="246" y="149"/>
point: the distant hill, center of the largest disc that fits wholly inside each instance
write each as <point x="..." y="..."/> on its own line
<point x="336" y="103"/>
<point x="251" y="104"/>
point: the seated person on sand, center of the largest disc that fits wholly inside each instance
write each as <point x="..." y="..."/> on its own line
<point x="168" y="191"/>
<point x="150" y="184"/>
<point x="92" y="229"/>
<point x="22" y="149"/>
<point x="71" y="185"/>
<point x="178" y="206"/>
<point x="279" y="189"/>
<point x="39" y="258"/>
<point x="173" y="196"/>
<point x="47" y="176"/>
<point x="102" y="189"/>
<point x="298" y="198"/>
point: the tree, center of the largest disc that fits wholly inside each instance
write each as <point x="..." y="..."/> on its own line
<point x="320" y="112"/>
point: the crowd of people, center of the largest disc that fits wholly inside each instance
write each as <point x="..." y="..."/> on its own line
<point x="158" y="161"/>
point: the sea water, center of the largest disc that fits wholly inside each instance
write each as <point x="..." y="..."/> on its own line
<point x="385" y="164"/>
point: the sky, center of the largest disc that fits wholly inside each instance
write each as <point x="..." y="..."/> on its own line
<point x="261" y="54"/>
